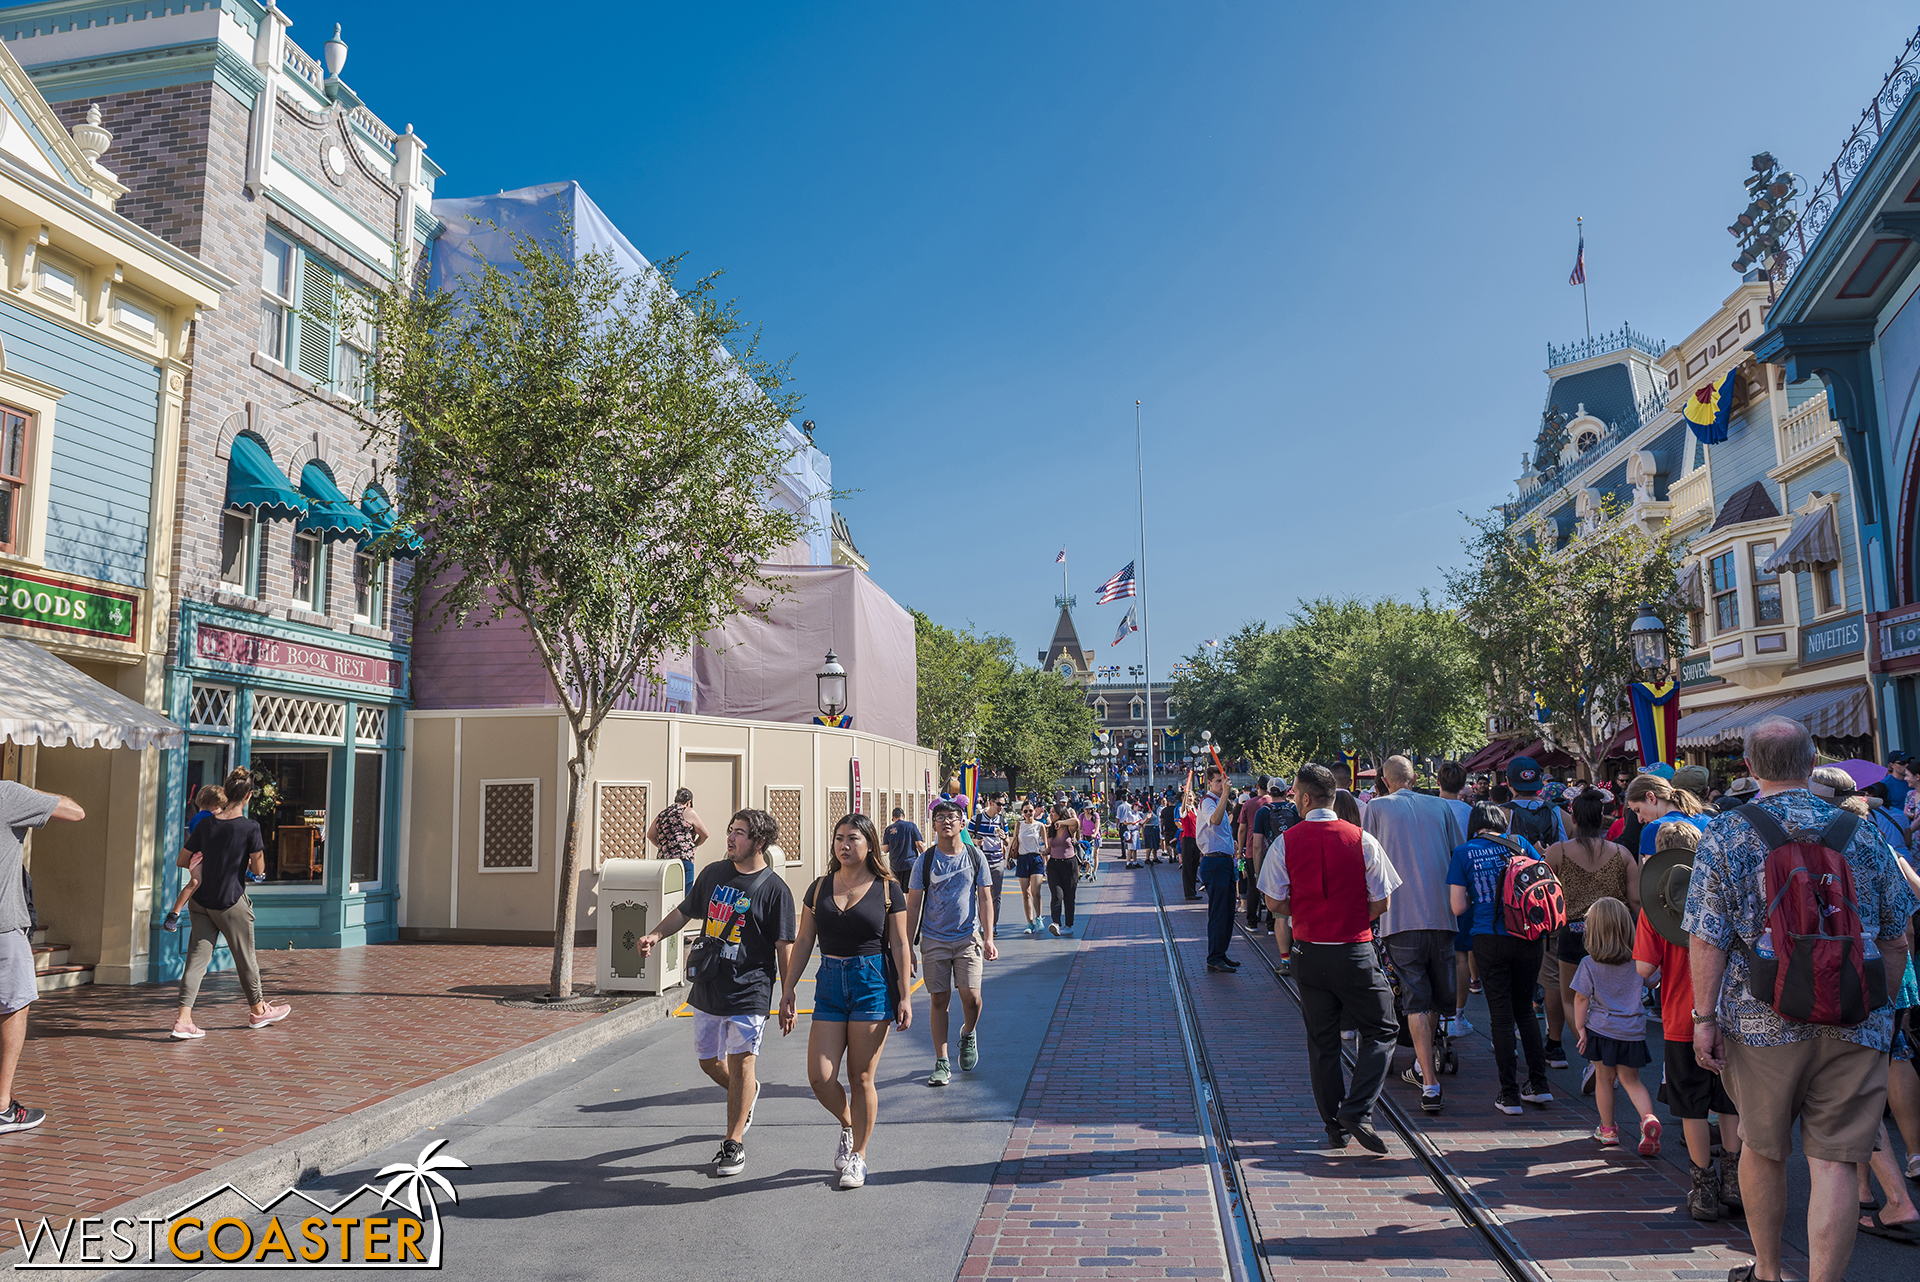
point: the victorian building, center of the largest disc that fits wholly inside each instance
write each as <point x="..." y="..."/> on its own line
<point x="255" y="161"/>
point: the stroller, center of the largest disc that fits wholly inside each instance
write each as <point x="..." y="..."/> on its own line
<point x="1445" y="1058"/>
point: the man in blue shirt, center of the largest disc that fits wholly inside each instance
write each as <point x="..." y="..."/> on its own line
<point x="1213" y="833"/>
<point x="989" y="832"/>
<point x="950" y="910"/>
<point x="903" y="843"/>
<point x="1899" y="779"/>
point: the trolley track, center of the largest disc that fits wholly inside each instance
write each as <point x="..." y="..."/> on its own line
<point x="1244" y="1239"/>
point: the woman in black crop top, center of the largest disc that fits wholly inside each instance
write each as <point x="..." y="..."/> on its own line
<point x="856" y="911"/>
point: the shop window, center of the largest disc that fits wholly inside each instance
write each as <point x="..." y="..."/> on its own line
<point x="211" y="708"/>
<point x="285" y="716"/>
<point x="291" y="810"/>
<point x="276" y="303"/>
<point x="369" y="590"/>
<point x="1726" y="593"/>
<point x="310" y="572"/>
<point x="370" y="725"/>
<point x="16" y="461"/>
<point x="1766" y="587"/>
<point x="509" y="813"/>
<point x="369" y="777"/>
<point x="240" y="539"/>
<point x="1830" y="589"/>
<point x="206" y="764"/>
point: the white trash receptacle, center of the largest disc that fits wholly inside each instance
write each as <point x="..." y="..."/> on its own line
<point x="635" y="895"/>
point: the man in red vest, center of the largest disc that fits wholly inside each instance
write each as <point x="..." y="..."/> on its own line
<point x="1329" y="884"/>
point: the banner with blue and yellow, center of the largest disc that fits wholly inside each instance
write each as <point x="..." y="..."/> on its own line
<point x="1656" y="721"/>
<point x="1350" y="762"/>
<point x="1707" y="409"/>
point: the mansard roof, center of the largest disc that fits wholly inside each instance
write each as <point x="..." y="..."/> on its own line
<point x="1751" y="504"/>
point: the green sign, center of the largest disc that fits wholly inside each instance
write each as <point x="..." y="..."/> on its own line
<point x="45" y="603"/>
<point x="1833" y="640"/>
<point x="1697" y="670"/>
<point x="1901" y="638"/>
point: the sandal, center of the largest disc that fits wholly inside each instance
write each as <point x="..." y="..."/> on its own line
<point x="1907" y="1231"/>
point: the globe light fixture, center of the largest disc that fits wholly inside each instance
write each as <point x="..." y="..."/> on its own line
<point x="831" y="687"/>
<point x="1649" y="637"/>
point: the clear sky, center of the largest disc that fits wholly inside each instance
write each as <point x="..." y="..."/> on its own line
<point x="1324" y="244"/>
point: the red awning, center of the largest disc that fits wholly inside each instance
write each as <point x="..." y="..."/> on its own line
<point x="1624" y="744"/>
<point x="1552" y="759"/>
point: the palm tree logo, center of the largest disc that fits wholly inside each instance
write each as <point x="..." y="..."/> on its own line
<point x="414" y="1183"/>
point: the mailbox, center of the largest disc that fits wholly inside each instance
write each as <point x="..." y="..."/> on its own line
<point x="635" y="894"/>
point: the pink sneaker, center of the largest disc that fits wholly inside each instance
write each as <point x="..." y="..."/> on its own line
<point x="273" y="1015"/>
<point x="1608" y="1136"/>
<point x="186" y="1032"/>
<point x="1649" y="1136"/>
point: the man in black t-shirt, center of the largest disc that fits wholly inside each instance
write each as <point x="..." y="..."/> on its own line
<point x="746" y="941"/>
<point x="1269" y="822"/>
<point x="903" y="841"/>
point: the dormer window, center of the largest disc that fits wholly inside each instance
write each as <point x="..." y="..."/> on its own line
<point x="1136" y="710"/>
<point x="1099" y="709"/>
<point x="1587" y="440"/>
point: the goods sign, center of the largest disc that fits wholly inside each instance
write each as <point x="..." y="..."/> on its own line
<point x="46" y="603"/>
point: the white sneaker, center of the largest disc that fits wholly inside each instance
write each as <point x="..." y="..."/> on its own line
<point x="1053" y="928"/>
<point x="845" y="1154"/>
<point x="1459" y="1026"/>
<point x="855" y="1173"/>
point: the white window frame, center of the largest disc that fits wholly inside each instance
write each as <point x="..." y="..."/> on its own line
<point x="1823" y="601"/>
<point x="1136" y="709"/>
<point x="480" y="824"/>
<point x="1100" y="709"/>
<point x="134" y="318"/>
<point x="55" y="280"/>
<point x="352" y="344"/>
<point x="276" y="308"/>
<point x="376" y="569"/>
<point x="250" y="555"/>
<point x="316" y="599"/>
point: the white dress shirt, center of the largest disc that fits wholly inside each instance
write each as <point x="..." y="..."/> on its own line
<point x="1381" y="878"/>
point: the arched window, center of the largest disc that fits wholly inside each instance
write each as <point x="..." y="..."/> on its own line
<point x="1136" y="710"/>
<point x="1099" y="709"/>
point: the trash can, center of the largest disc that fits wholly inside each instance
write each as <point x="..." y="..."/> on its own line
<point x="635" y="894"/>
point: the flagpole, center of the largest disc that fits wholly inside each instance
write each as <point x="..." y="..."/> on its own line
<point x="1146" y="647"/>
<point x="1581" y="224"/>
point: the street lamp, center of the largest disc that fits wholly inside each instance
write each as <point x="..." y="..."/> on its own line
<point x="831" y="683"/>
<point x="1649" y="637"/>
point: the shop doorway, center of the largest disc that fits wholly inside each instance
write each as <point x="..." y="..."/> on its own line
<point x="715" y="781"/>
<point x="291" y="809"/>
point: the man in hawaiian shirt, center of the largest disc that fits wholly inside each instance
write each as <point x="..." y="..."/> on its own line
<point x="1832" y="1080"/>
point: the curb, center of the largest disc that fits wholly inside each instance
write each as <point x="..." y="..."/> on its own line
<point x="331" y="1145"/>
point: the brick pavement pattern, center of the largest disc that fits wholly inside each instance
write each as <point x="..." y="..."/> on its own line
<point x="130" y="1111"/>
<point x="1104" y="1175"/>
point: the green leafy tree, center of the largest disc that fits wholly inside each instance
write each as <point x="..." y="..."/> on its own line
<point x="587" y="455"/>
<point x="1277" y="751"/>
<point x="960" y="676"/>
<point x="1040" y="726"/>
<point x="1549" y="624"/>
<point x="1227" y="689"/>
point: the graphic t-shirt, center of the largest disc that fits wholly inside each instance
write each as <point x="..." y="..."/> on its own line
<point x="1481" y="865"/>
<point x="225" y="847"/>
<point x="750" y="914"/>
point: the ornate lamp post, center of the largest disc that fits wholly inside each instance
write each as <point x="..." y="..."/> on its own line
<point x="831" y="688"/>
<point x="1656" y="698"/>
<point x="1649" y="637"/>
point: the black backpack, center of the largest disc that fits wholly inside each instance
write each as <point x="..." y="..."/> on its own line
<point x="1535" y="823"/>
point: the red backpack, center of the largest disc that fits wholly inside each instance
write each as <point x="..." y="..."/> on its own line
<point x="1813" y="962"/>
<point x="1530" y="898"/>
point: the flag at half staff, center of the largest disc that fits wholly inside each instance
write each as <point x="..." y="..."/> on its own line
<point x="1120" y="585"/>
<point x="1127" y="625"/>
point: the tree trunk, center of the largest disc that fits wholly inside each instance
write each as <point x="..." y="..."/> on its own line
<point x="579" y="770"/>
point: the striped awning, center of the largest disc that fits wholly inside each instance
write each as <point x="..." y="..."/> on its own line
<point x="1812" y="544"/>
<point x="1692" y="590"/>
<point x="1835" y="712"/>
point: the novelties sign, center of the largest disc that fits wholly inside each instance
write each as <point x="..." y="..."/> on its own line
<point x="1833" y="640"/>
<point x="277" y="654"/>
<point x="47" y="603"/>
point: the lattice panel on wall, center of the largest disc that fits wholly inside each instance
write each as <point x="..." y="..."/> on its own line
<point x="866" y="803"/>
<point x="370" y="726"/>
<point x="212" y="709"/>
<point x="509" y="811"/>
<point x="784" y="805"/>
<point x="836" y="804"/>
<point x="623" y="821"/>
<point x="280" y="716"/>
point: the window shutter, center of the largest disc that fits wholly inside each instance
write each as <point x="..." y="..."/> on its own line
<point x="316" y="326"/>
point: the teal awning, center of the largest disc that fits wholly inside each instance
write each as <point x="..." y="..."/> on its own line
<point x="379" y="510"/>
<point x="253" y="481"/>
<point x="329" y="514"/>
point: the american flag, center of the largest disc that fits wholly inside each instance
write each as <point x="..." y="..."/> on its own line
<point x="1062" y="558"/>
<point x="1579" y="276"/>
<point x="1120" y="585"/>
<point x="1126" y="625"/>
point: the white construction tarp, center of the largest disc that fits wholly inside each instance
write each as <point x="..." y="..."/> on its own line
<point x="46" y="701"/>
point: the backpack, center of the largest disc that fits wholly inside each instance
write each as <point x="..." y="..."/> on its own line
<point x="1813" y="962"/>
<point x="1535" y="823"/>
<point x="1531" y="903"/>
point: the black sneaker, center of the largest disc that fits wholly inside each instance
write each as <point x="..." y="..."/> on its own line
<point x="1537" y="1093"/>
<point x="1337" y="1137"/>
<point x="18" y="1117"/>
<point x="1368" y="1137"/>
<point x="1556" y="1055"/>
<point x="1508" y="1102"/>
<point x="731" y="1159"/>
<point x="171" y="923"/>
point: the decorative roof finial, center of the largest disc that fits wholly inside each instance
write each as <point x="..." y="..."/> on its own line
<point x="336" y="54"/>
<point x="90" y="137"/>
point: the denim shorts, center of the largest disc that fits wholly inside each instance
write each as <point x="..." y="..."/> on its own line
<point x="850" y="988"/>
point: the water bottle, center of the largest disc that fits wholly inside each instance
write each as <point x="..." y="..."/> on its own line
<point x="1765" y="945"/>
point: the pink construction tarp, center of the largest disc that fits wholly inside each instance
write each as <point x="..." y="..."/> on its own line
<point x="761" y="667"/>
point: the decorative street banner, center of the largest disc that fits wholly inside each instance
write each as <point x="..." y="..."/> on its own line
<point x="275" y="654"/>
<point x="842" y="722"/>
<point x="970" y="782"/>
<point x="62" y="607"/>
<point x="853" y="782"/>
<point x="1350" y="762"/>
<point x="1656" y="721"/>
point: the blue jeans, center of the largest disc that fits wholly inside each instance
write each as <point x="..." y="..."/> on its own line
<point x="1216" y="874"/>
<point x="850" y="988"/>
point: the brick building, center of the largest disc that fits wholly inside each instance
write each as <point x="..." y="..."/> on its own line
<point x="242" y="150"/>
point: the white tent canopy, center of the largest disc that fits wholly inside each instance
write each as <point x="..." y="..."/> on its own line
<point x="46" y="701"/>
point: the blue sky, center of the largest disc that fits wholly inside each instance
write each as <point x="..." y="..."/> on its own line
<point x="1324" y="244"/>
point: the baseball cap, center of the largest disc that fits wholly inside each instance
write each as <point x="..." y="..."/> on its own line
<point x="1660" y="768"/>
<point x="1692" y="778"/>
<point x="1523" y="775"/>
<point x="1278" y="787"/>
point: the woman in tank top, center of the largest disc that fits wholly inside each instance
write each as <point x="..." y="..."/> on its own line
<point x="1063" y="869"/>
<point x="856" y="911"/>
<point x="1590" y="868"/>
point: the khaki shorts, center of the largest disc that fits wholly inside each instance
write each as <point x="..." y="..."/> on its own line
<point x="1837" y="1090"/>
<point x="957" y="963"/>
<point x="1550" y="966"/>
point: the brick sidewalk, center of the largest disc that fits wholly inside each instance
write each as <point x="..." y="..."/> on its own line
<point x="130" y="1111"/>
<point x="1104" y="1174"/>
<point x="1580" y="1211"/>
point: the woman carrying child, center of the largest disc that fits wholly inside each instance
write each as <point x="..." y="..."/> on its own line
<point x="1611" y="1024"/>
<point x="208" y="800"/>
<point x="229" y="845"/>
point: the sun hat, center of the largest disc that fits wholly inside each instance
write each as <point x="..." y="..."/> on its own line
<point x="1664" y="879"/>
<point x="1744" y="786"/>
<point x="1523" y="775"/>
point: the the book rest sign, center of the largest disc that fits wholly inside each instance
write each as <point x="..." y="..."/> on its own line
<point x="275" y="654"/>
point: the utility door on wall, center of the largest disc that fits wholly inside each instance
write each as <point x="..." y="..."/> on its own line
<point x="715" y="781"/>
